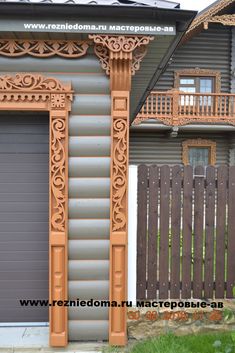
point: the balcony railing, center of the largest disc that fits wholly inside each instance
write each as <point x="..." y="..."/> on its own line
<point x="179" y="108"/>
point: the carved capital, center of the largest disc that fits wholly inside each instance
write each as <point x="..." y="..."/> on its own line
<point x="120" y="56"/>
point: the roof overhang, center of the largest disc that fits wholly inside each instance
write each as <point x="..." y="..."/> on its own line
<point x="216" y="8"/>
<point x="159" y="50"/>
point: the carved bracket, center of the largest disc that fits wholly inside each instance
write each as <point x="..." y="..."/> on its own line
<point x="113" y="50"/>
<point x="43" y="48"/>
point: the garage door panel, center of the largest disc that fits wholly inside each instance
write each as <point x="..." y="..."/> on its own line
<point x="26" y="285"/>
<point x="26" y="256"/>
<point x="29" y="276"/>
<point x="23" y="177"/>
<point x="25" y="167"/>
<point x="24" y="139"/>
<point x="22" y="217"/>
<point x="10" y="226"/>
<point x="24" y="205"/>
<point x="6" y="189"/>
<point x="28" y="197"/>
<point x="24" y="246"/>
<point x="18" y="294"/>
<point x="24" y="236"/>
<point x="18" y="159"/>
<point x="24" y="266"/>
<point x="29" y="315"/>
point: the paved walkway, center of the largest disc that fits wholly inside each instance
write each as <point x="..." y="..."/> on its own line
<point x="35" y="340"/>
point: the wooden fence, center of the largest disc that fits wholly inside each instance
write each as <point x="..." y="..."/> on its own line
<point x="185" y="232"/>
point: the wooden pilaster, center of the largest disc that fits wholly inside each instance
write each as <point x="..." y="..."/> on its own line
<point x="120" y="57"/>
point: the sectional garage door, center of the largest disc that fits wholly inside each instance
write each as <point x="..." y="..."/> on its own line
<point x="24" y="149"/>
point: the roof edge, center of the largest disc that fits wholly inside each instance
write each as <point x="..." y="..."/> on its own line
<point x="204" y="15"/>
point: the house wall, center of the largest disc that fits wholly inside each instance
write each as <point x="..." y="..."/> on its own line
<point x="233" y="62"/>
<point x="156" y="147"/>
<point x="89" y="183"/>
<point x="211" y="49"/>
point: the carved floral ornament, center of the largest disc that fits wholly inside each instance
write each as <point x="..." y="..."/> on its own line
<point x="207" y="15"/>
<point x="31" y="88"/>
<point x="43" y="48"/>
<point x="133" y="48"/>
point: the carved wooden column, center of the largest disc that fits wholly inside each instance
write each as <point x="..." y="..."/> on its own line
<point x="58" y="220"/>
<point x="120" y="56"/>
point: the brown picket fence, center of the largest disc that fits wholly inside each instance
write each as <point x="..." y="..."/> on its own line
<point x="185" y="232"/>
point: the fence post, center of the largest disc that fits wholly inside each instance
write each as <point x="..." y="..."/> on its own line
<point x="132" y="234"/>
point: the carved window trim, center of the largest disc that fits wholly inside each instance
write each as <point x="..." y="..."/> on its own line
<point x="197" y="72"/>
<point x="198" y="143"/>
<point x="33" y="92"/>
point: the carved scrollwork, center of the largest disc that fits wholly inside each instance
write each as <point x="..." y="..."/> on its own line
<point x="226" y="20"/>
<point x="205" y="16"/>
<point x="119" y="180"/>
<point x="131" y="48"/>
<point x="58" y="179"/>
<point x="30" y="82"/>
<point x="43" y="48"/>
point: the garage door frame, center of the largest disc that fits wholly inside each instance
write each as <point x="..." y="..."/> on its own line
<point x="32" y="92"/>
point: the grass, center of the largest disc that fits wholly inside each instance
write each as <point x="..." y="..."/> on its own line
<point x="202" y="343"/>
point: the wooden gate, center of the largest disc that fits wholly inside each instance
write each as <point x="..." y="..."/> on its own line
<point x="186" y="232"/>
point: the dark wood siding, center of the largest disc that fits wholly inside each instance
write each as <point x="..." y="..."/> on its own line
<point x="210" y="49"/>
<point x="233" y="62"/>
<point x="156" y="147"/>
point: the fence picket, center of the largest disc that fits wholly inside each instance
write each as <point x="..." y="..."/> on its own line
<point x="152" y="232"/>
<point x="231" y="237"/>
<point x="204" y="249"/>
<point x="187" y="232"/>
<point x="222" y="178"/>
<point x="209" y="232"/>
<point x="164" y="231"/>
<point x="198" y="232"/>
<point x="175" y="231"/>
<point x="142" y="231"/>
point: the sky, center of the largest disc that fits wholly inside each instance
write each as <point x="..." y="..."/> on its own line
<point x="194" y="4"/>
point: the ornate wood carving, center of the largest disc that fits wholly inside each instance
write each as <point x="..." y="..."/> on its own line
<point x="199" y="72"/>
<point x="43" y="48"/>
<point x="114" y="50"/>
<point x="198" y="143"/>
<point x="226" y="20"/>
<point x="120" y="57"/>
<point x="207" y="15"/>
<point x="35" y="92"/>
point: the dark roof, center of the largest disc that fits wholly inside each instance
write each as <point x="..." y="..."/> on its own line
<point x="153" y="3"/>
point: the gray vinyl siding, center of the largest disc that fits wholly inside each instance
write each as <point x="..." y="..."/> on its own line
<point x="24" y="172"/>
<point x="233" y="62"/>
<point x="211" y="49"/>
<point x="155" y="147"/>
<point x="89" y="181"/>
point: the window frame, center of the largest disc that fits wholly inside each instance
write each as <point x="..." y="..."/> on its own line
<point x="199" y="143"/>
<point x="197" y="72"/>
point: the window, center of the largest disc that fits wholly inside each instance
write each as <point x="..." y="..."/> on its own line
<point x="198" y="80"/>
<point x="199" y="152"/>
